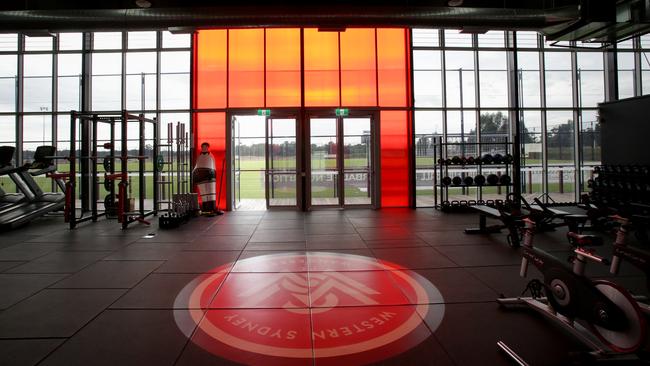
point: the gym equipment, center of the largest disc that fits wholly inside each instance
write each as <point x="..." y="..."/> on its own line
<point x="486" y="159"/>
<point x="509" y="221"/>
<point x="492" y="179"/>
<point x="635" y="256"/>
<point x="456" y="181"/>
<point x="497" y="159"/>
<point x="507" y="159"/>
<point x="471" y="160"/>
<point x="504" y="179"/>
<point x="615" y="324"/>
<point x="479" y="180"/>
<point x="85" y="173"/>
<point x="35" y="202"/>
<point x="456" y="160"/>
<point x="468" y="180"/>
<point x="446" y="181"/>
<point x="511" y="354"/>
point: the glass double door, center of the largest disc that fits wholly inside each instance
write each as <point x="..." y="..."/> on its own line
<point x="340" y="161"/>
<point x="263" y="162"/>
<point x="279" y="162"/>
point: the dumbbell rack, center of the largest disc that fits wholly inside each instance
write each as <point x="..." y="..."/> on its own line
<point x="617" y="186"/>
<point x="441" y="170"/>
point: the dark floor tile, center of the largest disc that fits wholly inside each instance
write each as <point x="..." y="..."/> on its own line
<point x="124" y="337"/>
<point x="291" y="346"/>
<point x="504" y="280"/>
<point x="238" y="220"/>
<point x="27" y="251"/>
<point x="157" y="291"/>
<point x="386" y="233"/>
<point x="219" y="242"/>
<point x="438" y="238"/>
<point x="283" y="215"/>
<point x="414" y="258"/>
<point x="455" y="285"/>
<point x="266" y="224"/>
<point x="271" y="261"/>
<point x="400" y="243"/>
<point x="335" y="241"/>
<point x="16" y="287"/>
<point x="282" y="236"/>
<point x="169" y="237"/>
<point x="230" y="229"/>
<point x="481" y="255"/>
<point x="26" y="352"/>
<point x="483" y="324"/>
<point x="371" y="222"/>
<point x="329" y="228"/>
<point x="147" y="251"/>
<point x="54" y="313"/>
<point x="198" y="262"/>
<point x="110" y="274"/>
<point x="60" y="262"/>
<point x="5" y="265"/>
<point x="289" y="246"/>
<point x="263" y="290"/>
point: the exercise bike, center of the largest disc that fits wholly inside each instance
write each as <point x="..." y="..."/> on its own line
<point x="637" y="257"/>
<point x="600" y="314"/>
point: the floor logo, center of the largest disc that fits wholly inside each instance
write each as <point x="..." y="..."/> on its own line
<point x="345" y="308"/>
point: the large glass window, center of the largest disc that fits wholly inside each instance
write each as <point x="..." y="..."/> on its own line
<point x="8" y="72"/>
<point x="559" y="91"/>
<point x="37" y="83"/>
<point x="107" y="81"/>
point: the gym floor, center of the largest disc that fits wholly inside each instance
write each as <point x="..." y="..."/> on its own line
<point x="101" y="296"/>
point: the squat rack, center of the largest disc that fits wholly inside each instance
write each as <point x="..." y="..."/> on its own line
<point x="89" y="157"/>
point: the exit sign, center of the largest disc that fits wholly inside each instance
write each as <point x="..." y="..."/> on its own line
<point x="342" y="112"/>
<point x="263" y="112"/>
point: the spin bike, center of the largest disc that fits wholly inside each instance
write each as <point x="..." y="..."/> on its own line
<point x="599" y="313"/>
<point x="636" y="256"/>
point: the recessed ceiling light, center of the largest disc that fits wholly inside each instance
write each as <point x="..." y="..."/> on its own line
<point x="455" y="2"/>
<point x="143" y="3"/>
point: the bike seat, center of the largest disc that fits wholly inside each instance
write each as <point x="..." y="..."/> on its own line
<point x="576" y="218"/>
<point x="581" y="240"/>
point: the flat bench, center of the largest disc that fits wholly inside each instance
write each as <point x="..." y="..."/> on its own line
<point x="484" y="213"/>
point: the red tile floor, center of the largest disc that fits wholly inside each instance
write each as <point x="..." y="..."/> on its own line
<point x="388" y="287"/>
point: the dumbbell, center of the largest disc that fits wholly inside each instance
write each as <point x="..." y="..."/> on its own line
<point x="471" y="161"/>
<point x="492" y="179"/>
<point x="456" y="180"/>
<point x="497" y="159"/>
<point x="446" y="181"/>
<point x="507" y="159"/>
<point x="468" y="180"/>
<point x="479" y="180"/>
<point x="108" y="164"/>
<point x="597" y="170"/>
<point x="441" y="161"/>
<point x="486" y="159"/>
<point x="504" y="179"/>
<point x="448" y="161"/>
<point x="456" y="160"/>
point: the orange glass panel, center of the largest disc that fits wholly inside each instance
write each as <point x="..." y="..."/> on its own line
<point x="321" y="68"/>
<point x="211" y="128"/>
<point x="393" y="70"/>
<point x="283" y="67"/>
<point x="394" y="146"/>
<point x="358" y="69"/>
<point x="210" y="69"/>
<point x="246" y="68"/>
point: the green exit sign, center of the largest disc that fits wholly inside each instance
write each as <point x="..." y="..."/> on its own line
<point x="263" y="112"/>
<point x="342" y="112"/>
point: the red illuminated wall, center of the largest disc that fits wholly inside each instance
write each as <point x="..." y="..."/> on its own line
<point x="261" y="68"/>
<point x="210" y="127"/>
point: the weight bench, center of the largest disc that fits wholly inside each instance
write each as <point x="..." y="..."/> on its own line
<point x="509" y="221"/>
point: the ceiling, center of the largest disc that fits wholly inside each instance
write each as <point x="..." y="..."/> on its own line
<point x="584" y="20"/>
<point x="130" y="4"/>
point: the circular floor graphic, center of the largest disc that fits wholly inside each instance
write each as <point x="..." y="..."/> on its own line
<point x="288" y="308"/>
